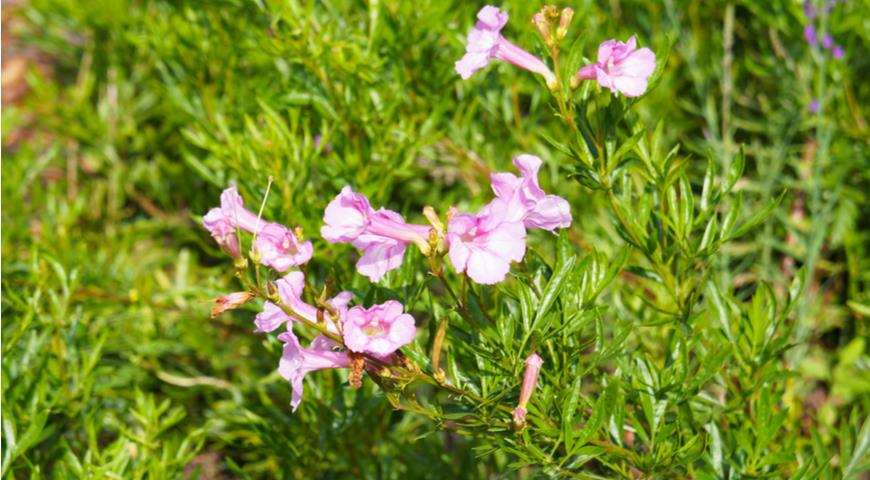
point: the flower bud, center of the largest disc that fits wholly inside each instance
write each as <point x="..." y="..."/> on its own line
<point x="564" y="22"/>
<point x="230" y="301"/>
<point x="530" y="380"/>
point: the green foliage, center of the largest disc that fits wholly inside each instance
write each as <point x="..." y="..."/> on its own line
<point x="704" y="317"/>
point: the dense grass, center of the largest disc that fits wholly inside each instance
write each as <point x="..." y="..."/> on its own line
<point x="141" y="112"/>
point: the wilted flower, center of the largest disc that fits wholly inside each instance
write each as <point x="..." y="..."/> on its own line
<point x="530" y="380"/>
<point x="486" y="42"/>
<point x="621" y="67"/>
<point x="526" y="202"/>
<point x="379" y="330"/>
<point x="230" y="301"/>
<point x="296" y="361"/>
<point x="484" y="245"/>
<point x="382" y="235"/>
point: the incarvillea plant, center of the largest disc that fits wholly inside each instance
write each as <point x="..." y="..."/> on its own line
<point x="539" y="343"/>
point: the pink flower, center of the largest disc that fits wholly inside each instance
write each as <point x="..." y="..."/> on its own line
<point x="223" y="232"/>
<point x="486" y="42"/>
<point x="280" y="249"/>
<point x="530" y="380"/>
<point x="485" y="244"/>
<point x="621" y="67"/>
<point x="233" y="208"/>
<point x="379" y="330"/>
<point x="290" y="288"/>
<point x="526" y="201"/>
<point x="296" y="361"/>
<point x="382" y="234"/>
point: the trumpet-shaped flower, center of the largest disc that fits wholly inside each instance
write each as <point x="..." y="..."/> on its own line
<point x="382" y="235"/>
<point x="233" y="208"/>
<point x="276" y="245"/>
<point x="290" y="288"/>
<point x="526" y="202"/>
<point x="297" y="361"/>
<point x="280" y="249"/>
<point x="484" y="245"/>
<point x="621" y="67"/>
<point x="379" y="330"/>
<point x="222" y="230"/>
<point x="486" y="42"/>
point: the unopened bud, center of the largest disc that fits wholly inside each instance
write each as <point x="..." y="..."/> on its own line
<point x="229" y="302"/>
<point x="564" y="21"/>
<point x="539" y="20"/>
<point x="530" y="380"/>
<point x="432" y="217"/>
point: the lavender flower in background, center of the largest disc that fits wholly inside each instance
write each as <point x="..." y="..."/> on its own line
<point x="837" y="52"/>
<point x="827" y="41"/>
<point x="809" y="11"/>
<point x="810" y="35"/>
<point x="814" y="106"/>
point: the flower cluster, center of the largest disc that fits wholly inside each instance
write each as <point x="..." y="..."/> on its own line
<point x="347" y="332"/>
<point x="811" y="35"/>
<point x="482" y="245"/>
<point x="621" y="67"/>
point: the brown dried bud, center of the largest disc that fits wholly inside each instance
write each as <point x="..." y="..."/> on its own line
<point x="357" y="366"/>
<point x="230" y="302"/>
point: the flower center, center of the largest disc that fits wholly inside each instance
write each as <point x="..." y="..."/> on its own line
<point x="469" y="235"/>
<point x="374" y="329"/>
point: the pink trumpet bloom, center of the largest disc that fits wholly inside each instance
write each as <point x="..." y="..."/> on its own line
<point x="382" y="234"/>
<point x="290" y="288"/>
<point x="621" y="67"/>
<point x="530" y="380"/>
<point x="280" y="249"/>
<point x="222" y="230"/>
<point x="296" y="361"/>
<point x="484" y="245"/>
<point x="379" y="330"/>
<point x="526" y="201"/>
<point x="233" y="208"/>
<point x="486" y="42"/>
<point x="277" y="246"/>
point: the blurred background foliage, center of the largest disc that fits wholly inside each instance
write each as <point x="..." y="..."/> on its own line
<point x="123" y="120"/>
